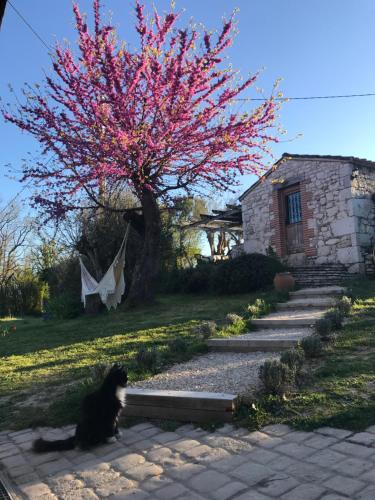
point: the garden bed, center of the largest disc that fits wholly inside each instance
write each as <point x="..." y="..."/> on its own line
<point x="234" y="373"/>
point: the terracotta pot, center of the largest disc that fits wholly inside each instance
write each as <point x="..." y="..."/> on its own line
<point x="284" y="282"/>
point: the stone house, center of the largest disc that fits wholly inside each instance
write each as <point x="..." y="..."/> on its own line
<point x="313" y="210"/>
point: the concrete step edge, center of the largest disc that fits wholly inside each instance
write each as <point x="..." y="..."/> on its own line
<point x="305" y="305"/>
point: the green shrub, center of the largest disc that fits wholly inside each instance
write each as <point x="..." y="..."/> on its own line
<point x="198" y="279"/>
<point x="234" y="324"/>
<point x="233" y="318"/>
<point x="335" y="317"/>
<point x="147" y="359"/>
<point x="64" y="281"/>
<point x="323" y="327"/>
<point x="64" y="306"/>
<point x="259" y="308"/>
<point x="206" y="329"/>
<point x="21" y="295"/>
<point x="344" y="305"/>
<point x="100" y="371"/>
<point x="294" y="358"/>
<point x="242" y="274"/>
<point x="275" y="377"/>
<point x="312" y="346"/>
<point x="178" y="345"/>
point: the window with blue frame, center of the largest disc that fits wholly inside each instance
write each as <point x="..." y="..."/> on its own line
<point x="293" y="208"/>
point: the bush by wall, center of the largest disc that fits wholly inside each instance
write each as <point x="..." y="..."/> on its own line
<point x="275" y="377"/>
<point x="243" y="274"/>
<point x="312" y="346"/>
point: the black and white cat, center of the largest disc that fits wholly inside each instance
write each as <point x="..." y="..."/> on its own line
<point x="100" y="411"/>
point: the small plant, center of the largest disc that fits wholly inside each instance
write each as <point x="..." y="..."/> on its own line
<point x="259" y="308"/>
<point x="323" y="328"/>
<point x="232" y="318"/>
<point x="294" y="359"/>
<point x="178" y="345"/>
<point x="335" y="317"/>
<point x="275" y="376"/>
<point x="235" y="324"/>
<point x="270" y="252"/>
<point x="206" y="329"/>
<point x="5" y="330"/>
<point x="100" y="371"/>
<point x="312" y="346"/>
<point x="344" y="305"/>
<point x="147" y="359"/>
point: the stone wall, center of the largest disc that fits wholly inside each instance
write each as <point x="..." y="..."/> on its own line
<point x="363" y="189"/>
<point x="338" y="213"/>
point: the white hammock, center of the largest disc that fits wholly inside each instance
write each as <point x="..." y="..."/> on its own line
<point x="112" y="286"/>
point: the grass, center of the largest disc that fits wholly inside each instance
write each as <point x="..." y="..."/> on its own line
<point x="341" y="387"/>
<point x="44" y="358"/>
<point x="262" y="304"/>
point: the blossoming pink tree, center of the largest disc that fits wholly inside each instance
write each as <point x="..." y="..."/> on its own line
<point x="156" y="120"/>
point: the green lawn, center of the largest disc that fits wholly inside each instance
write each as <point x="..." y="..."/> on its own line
<point x="341" y="389"/>
<point x="45" y="365"/>
<point x="45" y="359"/>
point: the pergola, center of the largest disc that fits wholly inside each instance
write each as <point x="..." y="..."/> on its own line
<point x="228" y="220"/>
<point x="221" y="222"/>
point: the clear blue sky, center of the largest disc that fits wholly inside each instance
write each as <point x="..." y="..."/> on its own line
<point x="320" y="47"/>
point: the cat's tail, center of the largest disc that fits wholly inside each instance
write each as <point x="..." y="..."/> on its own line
<point x="42" y="445"/>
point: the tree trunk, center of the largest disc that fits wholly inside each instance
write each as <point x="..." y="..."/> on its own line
<point x="147" y="267"/>
<point x="2" y="9"/>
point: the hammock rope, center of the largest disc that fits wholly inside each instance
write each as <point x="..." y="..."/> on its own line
<point x="112" y="286"/>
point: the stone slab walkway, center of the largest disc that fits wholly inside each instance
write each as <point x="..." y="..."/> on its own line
<point x="194" y="464"/>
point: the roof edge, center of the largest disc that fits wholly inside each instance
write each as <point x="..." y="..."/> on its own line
<point x="360" y="162"/>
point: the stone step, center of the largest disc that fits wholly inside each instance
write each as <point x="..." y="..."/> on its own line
<point x="291" y="318"/>
<point x="180" y="405"/>
<point x="264" y="341"/>
<point x="319" y="276"/>
<point x="333" y="267"/>
<point x="241" y="345"/>
<point x="318" y="292"/>
<point x="305" y="303"/>
<point x="318" y="284"/>
<point x="322" y="276"/>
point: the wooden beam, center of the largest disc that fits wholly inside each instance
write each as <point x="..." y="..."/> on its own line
<point x="179" y="414"/>
<point x="180" y="405"/>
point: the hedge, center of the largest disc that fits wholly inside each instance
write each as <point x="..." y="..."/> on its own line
<point x="243" y="274"/>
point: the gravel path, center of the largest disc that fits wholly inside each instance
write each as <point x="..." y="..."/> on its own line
<point x="233" y="373"/>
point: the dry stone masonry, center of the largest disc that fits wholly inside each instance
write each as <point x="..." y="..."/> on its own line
<point x="337" y="202"/>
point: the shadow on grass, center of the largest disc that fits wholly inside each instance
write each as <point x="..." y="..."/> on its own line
<point x="35" y="334"/>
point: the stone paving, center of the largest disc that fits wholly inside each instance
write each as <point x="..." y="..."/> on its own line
<point x="191" y="463"/>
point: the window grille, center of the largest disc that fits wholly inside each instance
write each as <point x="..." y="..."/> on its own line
<point x="293" y="208"/>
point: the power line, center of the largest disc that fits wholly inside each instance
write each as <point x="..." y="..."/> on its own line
<point x="244" y="99"/>
<point x="29" y="25"/>
<point x="307" y="98"/>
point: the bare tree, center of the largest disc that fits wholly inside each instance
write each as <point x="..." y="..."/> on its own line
<point x="14" y="232"/>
